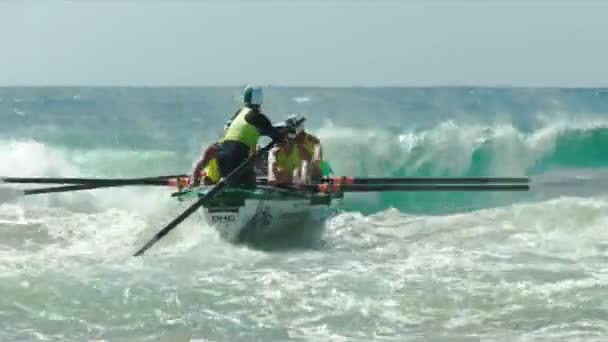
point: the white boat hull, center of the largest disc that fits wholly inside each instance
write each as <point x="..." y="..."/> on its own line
<point x="257" y="216"/>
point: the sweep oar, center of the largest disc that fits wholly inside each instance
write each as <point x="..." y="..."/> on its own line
<point x="208" y="196"/>
<point x="325" y="188"/>
<point x="10" y="194"/>
<point x="158" y="180"/>
<point x="426" y="180"/>
<point x="54" y="189"/>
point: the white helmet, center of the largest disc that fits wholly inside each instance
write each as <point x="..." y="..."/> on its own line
<point x="253" y="96"/>
<point x="294" y="118"/>
<point x="296" y="127"/>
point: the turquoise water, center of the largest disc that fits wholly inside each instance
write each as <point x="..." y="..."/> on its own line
<point x="394" y="266"/>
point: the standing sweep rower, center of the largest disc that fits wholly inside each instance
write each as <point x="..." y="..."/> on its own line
<point x="242" y="135"/>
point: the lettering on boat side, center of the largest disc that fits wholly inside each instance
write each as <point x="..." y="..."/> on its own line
<point x="266" y="216"/>
<point x="223" y="218"/>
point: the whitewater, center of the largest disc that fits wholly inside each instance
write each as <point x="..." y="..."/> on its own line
<point x="387" y="267"/>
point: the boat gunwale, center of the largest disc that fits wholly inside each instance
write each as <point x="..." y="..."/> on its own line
<point x="261" y="192"/>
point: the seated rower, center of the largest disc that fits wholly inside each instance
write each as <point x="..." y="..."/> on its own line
<point x="285" y="162"/>
<point x="206" y="170"/>
<point x="313" y="154"/>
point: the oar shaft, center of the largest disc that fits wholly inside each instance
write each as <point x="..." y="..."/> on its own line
<point x="160" y="180"/>
<point x="426" y="180"/>
<point x="428" y="187"/>
<point x="203" y="199"/>
<point x="180" y="182"/>
<point x="63" y="188"/>
<point x="170" y="226"/>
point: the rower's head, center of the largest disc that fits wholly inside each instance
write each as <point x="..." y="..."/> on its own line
<point x="298" y="124"/>
<point x="253" y="96"/>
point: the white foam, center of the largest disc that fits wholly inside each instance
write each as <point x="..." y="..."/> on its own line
<point x="301" y="99"/>
<point x="569" y="227"/>
<point x="101" y="222"/>
<point x="32" y="158"/>
<point x="446" y="149"/>
<point x="8" y="194"/>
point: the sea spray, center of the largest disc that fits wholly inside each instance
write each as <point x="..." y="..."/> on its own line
<point x="420" y="266"/>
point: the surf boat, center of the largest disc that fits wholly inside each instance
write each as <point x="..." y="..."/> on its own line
<point x="239" y="214"/>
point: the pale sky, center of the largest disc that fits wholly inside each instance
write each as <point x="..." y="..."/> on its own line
<point x="304" y="43"/>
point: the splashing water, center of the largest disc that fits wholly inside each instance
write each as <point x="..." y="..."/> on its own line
<point x="388" y="267"/>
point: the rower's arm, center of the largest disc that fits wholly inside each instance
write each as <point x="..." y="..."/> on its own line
<point x="318" y="152"/>
<point x="272" y="166"/>
<point x="263" y="125"/>
<point x="275" y="174"/>
<point x="195" y="178"/>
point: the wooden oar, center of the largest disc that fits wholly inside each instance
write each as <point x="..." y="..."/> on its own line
<point x="158" y="180"/>
<point x="54" y="189"/>
<point x="425" y="180"/>
<point x="206" y="197"/>
<point x="413" y="180"/>
<point x="326" y="188"/>
<point x="10" y="194"/>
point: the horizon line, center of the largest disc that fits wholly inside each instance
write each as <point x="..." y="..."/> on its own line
<point x="498" y="86"/>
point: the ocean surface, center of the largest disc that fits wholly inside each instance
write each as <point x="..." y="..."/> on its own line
<point x="437" y="266"/>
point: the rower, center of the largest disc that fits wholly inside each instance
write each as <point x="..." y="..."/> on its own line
<point x="206" y="170"/>
<point x="299" y="159"/>
<point x="241" y="137"/>
<point x="284" y="162"/>
<point x="312" y="155"/>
